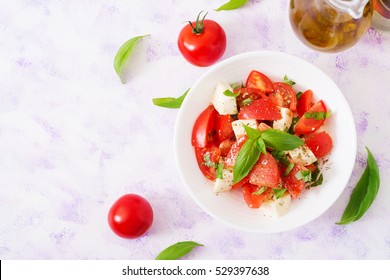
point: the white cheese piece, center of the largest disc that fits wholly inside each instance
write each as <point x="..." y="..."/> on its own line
<point x="225" y="184"/>
<point x="285" y="122"/>
<point x="225" y="105"/>
<point x="277" y="207"/>
<point x="238" y="127"/>
<point x="302" y="155"/>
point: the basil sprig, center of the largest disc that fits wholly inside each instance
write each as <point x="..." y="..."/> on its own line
<point x="288" y="81"/>
<point x="232" y="5"/>
<point x="257" y="143"/>
<point x="170" y="102"/>
<point x="177" y="250"/>
<point x="364" y="193"/>
<point x="124" y="53"/>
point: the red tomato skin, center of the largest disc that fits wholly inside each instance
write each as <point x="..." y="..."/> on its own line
<point x="225" y="147"/>
<point x="291" y="183"/>
<point x="257" y="80"/>
<point x="265" y="173"/>
<point x="287" y="94"/>
<point x="214" y="154"/>
<point x="253" y="200"/>
<point x="305" y="102"/>
<point x="224" y="127"/>
<point x="230" y="159"/>
<point x="320" y="144"/>
<point x="131" y="216"/>
<point x="308" y="125"/>
<point x="205" y="48"/>
<point x="261" y="109"/>
<point x="203" y="127"/>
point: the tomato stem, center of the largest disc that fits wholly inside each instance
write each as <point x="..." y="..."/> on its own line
<point x="199" y="24"/>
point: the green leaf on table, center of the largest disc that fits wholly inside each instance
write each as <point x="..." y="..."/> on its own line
<point x="177" y="250"/>
<point x="170" y="102"/>
<point x="124" y="53"/>
<point x="364" y="193"/>
<point x="246" y="159"/>
<point x="232" y="5"/>
<point x="279" y="140"/>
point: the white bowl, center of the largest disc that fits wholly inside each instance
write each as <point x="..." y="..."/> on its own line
<point x="230" y="207"/>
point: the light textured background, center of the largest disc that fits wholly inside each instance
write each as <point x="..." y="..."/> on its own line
<point x="73" y="138"/>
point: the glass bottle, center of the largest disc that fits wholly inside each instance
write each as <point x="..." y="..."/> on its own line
<point x="381" y="17"/>
<point x="330" y="25"/>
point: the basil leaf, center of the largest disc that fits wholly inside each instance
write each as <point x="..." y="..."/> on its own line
<point x="177" y="250"/>
<point x="246" y="101"/>
<point x="294" y="122"/>
<point x="317" y="115"/>
<point x="229" y="93"/>
<point x="290" y="167"/>
<point x="299" y="95"/>
<point x="220" y="171"/>
<point x="279" y="192"/>
<point x="279" y="140"/>
<point x="170" y="102"/>
<point x="260" y="191"/>
<point x="246" y="159"/>
<point x="304" y="175"/>
<point x="124" y="53"/>
<point x="261" y="145"/>
<point x="318" y="181"/>
<point x="252" y="133"/>
<point x="232" y="5"/>
<point x="287" y="81"/>
<point x="364" y="193"/>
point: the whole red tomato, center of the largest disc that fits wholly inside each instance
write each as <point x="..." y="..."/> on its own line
<point x="202" y="42"/>
<point x="130" y="216"/>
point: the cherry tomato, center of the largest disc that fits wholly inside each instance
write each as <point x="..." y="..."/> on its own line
<point x="293" y="185"/>
<point x="265" y="173"/>
<point x="224" y="127"/>
<point x="307" y="125"/>
<point x="260" y="109"/>
<point x="202" y="42"/>
<point x="305" y="102"/>
<point x="320" y="144"/>
<point x="285" y="96"/>
<point x="130" y="216"/>
<point x="257" y="80"/>
<point x="207" y="159"/>
<point x="254" y="200"/>
<point x="204" y="128"/>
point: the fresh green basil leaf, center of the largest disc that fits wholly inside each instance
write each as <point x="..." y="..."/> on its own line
<point x="289" y="167"/>
<point x="279" y="140"/>
<point x="246" y="159"/>
<point x="317" y="115"/>
<point x="220" y="171"/>
<point x="229" y="93"/>
<point x="177" y="250"/>
<point x="124" y="53"/>
<point x="261" y="145"/>
<point x="287" y="81"/>
<point x="246" y="102"/>
<point x="299" y="95"/>
<point x="260" y="191"/>
<point x="364" y="193"/>
<point x="170" y="102"/>
<point x="304" y="175"/>
<point x="232" y="5"/>
<point x="319" y="178"/>
<point x="279" y="192"/>
<point x="252" y="133"/>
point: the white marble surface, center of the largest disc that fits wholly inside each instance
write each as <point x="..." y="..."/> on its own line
<point x="73" y="138"/>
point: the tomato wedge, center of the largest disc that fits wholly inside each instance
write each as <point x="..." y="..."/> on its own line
<point x="291" y="183"/>
<point x="265" y="173"/>
<point x="258" y="80"/>
<point x="248" y="95"/>
<point x="320" y="144"/>
<point x="309" y="124"/>
<point x="260" y="109"/>
<point x="285" y="96"/>
<point x="305" y="102"/>
<point x="253" y="200"/>
<point x="207" y="159"/>
<point x="224" y="127"/>
<point x="230" y="159"/>
<point x="204" y="127"/>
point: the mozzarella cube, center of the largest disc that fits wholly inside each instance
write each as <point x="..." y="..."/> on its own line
<point x="277" y="207"/>
<point x="285" y="122"/>
<point x="225" y="184"/>
<point x="238" y="127"/>
<point x="225" y="105"/>
<point x="302" y="155"/>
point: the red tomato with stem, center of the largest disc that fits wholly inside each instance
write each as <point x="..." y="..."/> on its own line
<point x="320" y="144"/>
<point x="202" y="42"/>
<point x="257" y="80"/>
<point x="260" y="109"/>
<point x="314" y="120"/>
<point x="204" y="128"/>
<point x="285" y="96"/>
<point x="305" y="102"/>
<point x="207" y="159"/>
<point x="265" y="173"/>
<point x="130" y="216"/>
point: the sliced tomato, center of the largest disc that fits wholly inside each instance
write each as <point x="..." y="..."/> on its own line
<point x="254" y="200"/>
<point x="207" y="159"/>
<point x="293" y="185"/>
<point x="265" y="173"/>
<point x="305" y="102"/>
<point x="260" y="109"/>
<point x="239" y="184"/>
<point x="320" y="144"/>
<point x="230" y="159"/>
<point x="225" y="147"/>
<point x="204" y="127"/>
<point x="224" y="127"/>
<point x="258" y="80"/>
<point x="249" y="95"/>
<point x="307" y="125"/>
<point x="285" y="95"/>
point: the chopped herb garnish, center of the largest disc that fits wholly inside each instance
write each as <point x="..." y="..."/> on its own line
<point x="293" y="123"/>
<point x="317" y="115"/>
<point x="282" y="158"/>
<point x="304" y="175"/>
<point x="287" y="81"/>
<point x="220" y="171"/>
<point x="229" y="93"/>
<point x="290" y="166"/>
<point x="207" y="161"/>
<point x="279" y="192"/>
<point x="246" y="102"/>
<point x="299" y="95"/>
<point x="260" y="191"/>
